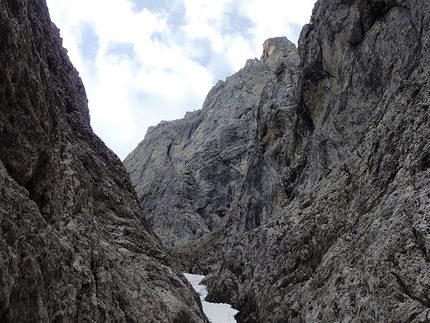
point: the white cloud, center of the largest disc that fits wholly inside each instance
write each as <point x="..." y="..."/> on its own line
<point x="142" y="65"/>
<point x="272" y="16"/>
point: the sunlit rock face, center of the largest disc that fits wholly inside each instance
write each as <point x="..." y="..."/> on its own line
<point x="74" y="244"/>
<point x="328" y="219"/>
<point x="187" y="172"/>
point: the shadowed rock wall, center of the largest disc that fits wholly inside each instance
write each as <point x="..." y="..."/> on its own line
<point x="74" y="244"/>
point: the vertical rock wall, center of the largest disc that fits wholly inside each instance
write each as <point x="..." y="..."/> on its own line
<point x="329" y="222"/>
<point x="349" y="240"/>
<point x="74" y="244"/>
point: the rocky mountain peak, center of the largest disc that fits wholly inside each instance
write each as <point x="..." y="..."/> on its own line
<point x="279" y="49"/>
<point x="187" y="172"/>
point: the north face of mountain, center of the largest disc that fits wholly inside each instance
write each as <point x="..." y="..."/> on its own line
<point x="74" y="243"/>
<point x="329" y="220"/>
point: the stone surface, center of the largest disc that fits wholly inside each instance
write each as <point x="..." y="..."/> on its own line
<point x="329" y="222"/>
<point x="187" y="172"/>
<point x="74" y="243"/>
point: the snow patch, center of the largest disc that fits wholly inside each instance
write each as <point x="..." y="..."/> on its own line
<point x="216" y="312"/>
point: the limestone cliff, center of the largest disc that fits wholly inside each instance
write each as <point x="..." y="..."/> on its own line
<point x="329" y="221"/>
<point x="187" y="172"/>
<point x="74" y="244"/>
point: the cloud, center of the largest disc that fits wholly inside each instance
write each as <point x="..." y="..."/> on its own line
<point x="143" y="61"/>
<point x="121" y="50"/>
<point x="88" y="42"/>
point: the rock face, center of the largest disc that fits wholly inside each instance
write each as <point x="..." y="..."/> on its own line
<point x="329" y="220"/>
<point x="187" y="172"/>
<point x="74" y="244"/>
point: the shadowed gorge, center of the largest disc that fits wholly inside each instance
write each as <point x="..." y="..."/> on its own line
<point x="301" y="189"/>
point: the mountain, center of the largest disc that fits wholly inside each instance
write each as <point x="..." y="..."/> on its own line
<point x="74" y="244"/>
<point x="302" y="185"/>
<point x="187" y="172"/>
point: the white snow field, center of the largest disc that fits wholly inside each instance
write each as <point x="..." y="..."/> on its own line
<point x="216" y="312"/>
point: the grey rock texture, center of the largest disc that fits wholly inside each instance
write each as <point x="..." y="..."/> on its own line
<point x="74" y="244"/>
<point x="330" y="222"/>
<point x="187" y="172"/>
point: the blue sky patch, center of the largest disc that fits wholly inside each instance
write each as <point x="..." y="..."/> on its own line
<point x="89" y="43"/>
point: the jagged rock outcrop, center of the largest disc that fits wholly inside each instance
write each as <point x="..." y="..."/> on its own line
<point x="186" y="172"/>
<point x="74" y="244"/>
<point x="330" y="220"/>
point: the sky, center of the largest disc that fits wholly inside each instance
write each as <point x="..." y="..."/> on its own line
<point x="144" y="61"/>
